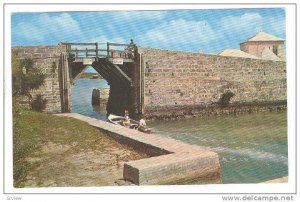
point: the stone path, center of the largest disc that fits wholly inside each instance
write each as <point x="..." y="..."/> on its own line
<point x="278" y="180"/>
<point x="172" y="161"/>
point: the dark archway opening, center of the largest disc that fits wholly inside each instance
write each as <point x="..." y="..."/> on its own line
<point x="121" y="91"/>
<point x="117" y="78"/>
<point x="119" y="99"/>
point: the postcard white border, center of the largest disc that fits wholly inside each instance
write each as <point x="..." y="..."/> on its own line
<point x="223" y="188"/>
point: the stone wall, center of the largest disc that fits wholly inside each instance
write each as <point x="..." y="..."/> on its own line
<point x="179" y="79"/>
<point x="256" y="47"/>
<point x="47" y="58"/>
<point x="176" y="80"/>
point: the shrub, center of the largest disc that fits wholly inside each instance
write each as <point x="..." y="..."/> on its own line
<point x="25" y="77"/>
<point x="225" y="98"/>
<point x="38" y="104"/>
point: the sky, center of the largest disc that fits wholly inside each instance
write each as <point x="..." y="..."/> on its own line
<point x="208" y="31"/>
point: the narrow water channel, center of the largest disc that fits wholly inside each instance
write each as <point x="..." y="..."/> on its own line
<point x="252" y="147"/>
<point x="81" y="96"/>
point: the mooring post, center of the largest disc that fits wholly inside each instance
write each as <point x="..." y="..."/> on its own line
<point x="65" y="107"/>
<point x="96" y="44"/>
<point x="107" y="49"/>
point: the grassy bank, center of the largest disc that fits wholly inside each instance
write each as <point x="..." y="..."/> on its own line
<point x="58" y="151"/>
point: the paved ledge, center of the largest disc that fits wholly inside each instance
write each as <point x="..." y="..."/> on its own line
<point x="171" y="162"/>
<point x="278" y="180"/>
<point x="186" y="111"/>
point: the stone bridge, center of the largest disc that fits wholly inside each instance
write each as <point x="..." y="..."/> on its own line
<point x="159" y="83"/>
<point x="119" y="64"/>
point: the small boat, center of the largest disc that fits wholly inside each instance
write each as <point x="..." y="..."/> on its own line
<point x="120" y="120"/>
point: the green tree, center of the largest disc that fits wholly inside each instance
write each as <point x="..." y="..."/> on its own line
<point x="25" y="78"/>
<point x="38" y="104"/>
<point x="225" y="99"/>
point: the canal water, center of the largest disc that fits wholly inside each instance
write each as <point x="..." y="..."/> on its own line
<point x="81" y="96"/>
<point x="252" y="147"/>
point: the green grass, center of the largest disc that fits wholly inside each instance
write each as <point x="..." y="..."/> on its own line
<point x="34" y="130"/>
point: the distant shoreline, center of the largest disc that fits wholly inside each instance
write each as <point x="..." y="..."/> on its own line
<point x="90" y="75"/>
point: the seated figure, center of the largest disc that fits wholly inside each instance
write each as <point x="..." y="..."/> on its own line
<point x="126" y="121"/>
<point x="142" y="122"/>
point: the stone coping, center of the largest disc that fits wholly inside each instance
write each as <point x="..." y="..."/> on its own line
<point x="278" y="180"/>
<point x="171" y="161"/>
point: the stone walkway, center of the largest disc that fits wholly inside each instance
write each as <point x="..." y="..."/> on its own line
<point x="278" y="180"/>
<point x="172" y="162"/>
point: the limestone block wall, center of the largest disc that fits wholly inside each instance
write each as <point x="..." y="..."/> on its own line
<point x="174" y="78"/>
<point x="47" y="58"/>
<point x="256" y="47"/>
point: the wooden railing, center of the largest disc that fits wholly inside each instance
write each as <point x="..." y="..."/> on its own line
<point x="93" y="50"/>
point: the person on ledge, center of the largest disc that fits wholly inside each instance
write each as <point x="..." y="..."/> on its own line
<point x="126" y="113"/>
<point x="126" y="121"/>
<point x="142" y="121"/>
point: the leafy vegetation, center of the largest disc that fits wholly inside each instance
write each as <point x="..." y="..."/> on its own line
<point x="225" y="99"/>
<point x="25" y="78"/>
<point x="38" y="104"/>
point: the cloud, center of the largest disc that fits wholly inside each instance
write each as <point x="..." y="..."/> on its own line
<point x="104" y="39"/>
<point x="28" y="31"/>
<point x="179" y="34"/>
<point x="48" y="27"/>
<point x="276" y="26"/>
<point x="128" y="16"/>
<point x="162" y="29"/>
<point x="244" y="23"/>
<point x="244" y="20"/>
<point x="140" y="15"/>
<point x="250" y="23"/>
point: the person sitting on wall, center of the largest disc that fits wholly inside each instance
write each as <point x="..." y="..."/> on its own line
<point x="141" y="124"/>
<point x="126" y="113"/>
<point x="126" y="121"/>
<point x="142" y="121"/>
